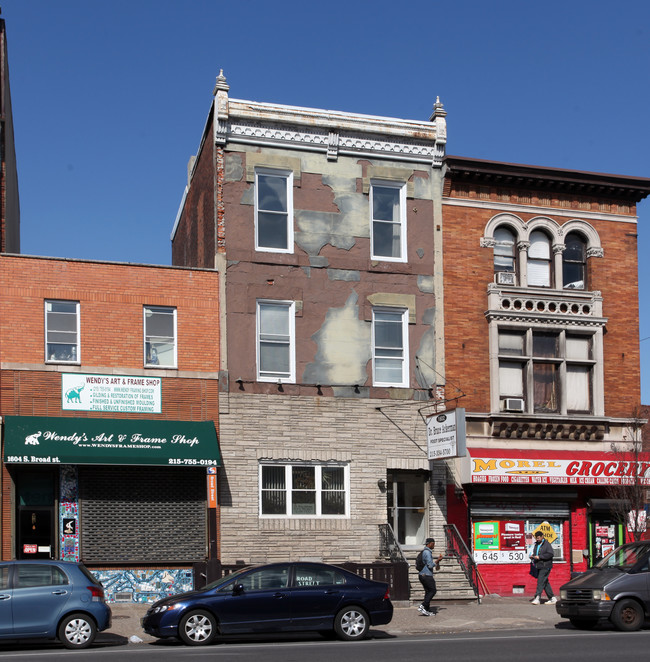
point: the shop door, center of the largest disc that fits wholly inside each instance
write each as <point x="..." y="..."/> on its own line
<point x="605" y="535"/>
<point x="407" y="512"/>
<point x="35" y="533"/>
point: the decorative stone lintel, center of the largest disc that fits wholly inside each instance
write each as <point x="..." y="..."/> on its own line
<point x="560" y="431"/>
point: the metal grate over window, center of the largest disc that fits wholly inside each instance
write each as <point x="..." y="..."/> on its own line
<point x="142" y="514"/>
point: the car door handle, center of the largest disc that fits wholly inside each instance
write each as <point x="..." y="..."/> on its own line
<point x="279" y="595"/>
<point x="59" y="592"/>
<point x="332" y="591"/>
<point x="5" y="596"/>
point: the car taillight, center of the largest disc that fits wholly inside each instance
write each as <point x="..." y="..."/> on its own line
<point x="96" y="593"/>
<point x="387" y="594"/>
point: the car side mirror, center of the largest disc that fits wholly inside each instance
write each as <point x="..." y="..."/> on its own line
<point x="237" y="589"/>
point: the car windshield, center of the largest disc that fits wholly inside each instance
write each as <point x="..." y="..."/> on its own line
<point x="225" y="579"/>
<point x="626" y="557"/>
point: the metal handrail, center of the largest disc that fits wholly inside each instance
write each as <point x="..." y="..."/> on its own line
<point x="390" y="548"/>
<point x="456" y="547"/>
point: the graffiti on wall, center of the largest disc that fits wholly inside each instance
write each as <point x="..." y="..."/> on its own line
<point x="69" y="513"/>
<point x="131" y="585"/>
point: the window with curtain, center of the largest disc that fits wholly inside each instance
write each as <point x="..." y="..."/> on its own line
<point x="551" y="371"/>
<point x="276" y="341"/>
<point x="390" y="347"/>
<point x="574" y="262"/>
<point x="273" y="211"/>
<point x="539" y="260"/>
<point x="504" y="250"/>
<point x="388" y="221"/>
<point x="303" y="490"/>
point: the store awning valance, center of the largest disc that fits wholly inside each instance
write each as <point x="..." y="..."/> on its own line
<point x="117" y="441"/>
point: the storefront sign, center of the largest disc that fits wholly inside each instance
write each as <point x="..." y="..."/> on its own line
<point x="30" y="549"/>
<point x="446" y="434"/>
<point x="552" y="468"/>
<point x="126" y="394"/>
<point x="117" y="441"/>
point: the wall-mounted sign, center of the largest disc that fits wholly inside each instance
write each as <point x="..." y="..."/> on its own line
<point x="53" y="440"/>
<point x="128" y="394"/>
<point x="446" y="434"/>
<point x="552" y="468"/>
<point x="69" y="526"/>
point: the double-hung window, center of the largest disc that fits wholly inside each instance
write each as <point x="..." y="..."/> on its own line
<point x="159" y="337"/>
<point x="551" y="371"/>
<point x="274" y="211"/>
<point x="388" y="221"/>
<point x="62" y="331"/>
<point x="539" y="260"/>
<point x="574" y="262"/>
<point x="390" y="347"/>
<point x="307" y="490"/>
<point x="276" y="360"/>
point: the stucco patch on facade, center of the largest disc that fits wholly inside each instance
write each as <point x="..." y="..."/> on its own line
<point x="344" y="274"/>
<point x="425" y="284"/>
<point x="426" y="352"/>
<point x="343" y="347"/>
<point x="234" y="167"/>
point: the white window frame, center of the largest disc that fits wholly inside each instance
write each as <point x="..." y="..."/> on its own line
<point x="401" y="186"/>
<point x="287" y="176"/>
<point x="147" y="363"/>
<point x="288" y="488"/>
<point x="404" y="314"/>
<point x="76" y="350"/>
<point x="290" y="377"/>
<point x="527" y="361"/>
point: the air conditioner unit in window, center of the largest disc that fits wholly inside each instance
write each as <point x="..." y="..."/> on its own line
<point x="506" y="278"/>
<point x="513" y="404"/>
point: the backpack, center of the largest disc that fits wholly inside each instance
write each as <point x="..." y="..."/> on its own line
<point x="419" y="561"/>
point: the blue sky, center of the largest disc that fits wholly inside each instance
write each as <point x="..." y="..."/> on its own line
<point x="110" y="98"/>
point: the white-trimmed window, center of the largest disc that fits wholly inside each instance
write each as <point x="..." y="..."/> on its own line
<point x="388" y="221"/>
<point x="504" y="250"/>
<point x="539" y="260"/>
<point x="274" y="211"/>
<point x="304" y="490"/>
<point x="574" y="262"/>
<point x="276" y="360"/>
<point x="390" y="347"/>
<point x="62" y="332"/>
<point x="159" y="337"/>
<point x="549" y="371"/>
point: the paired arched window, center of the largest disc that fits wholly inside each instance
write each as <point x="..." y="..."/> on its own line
<point x="504" y="250"/>
<point x="539" y="260"/>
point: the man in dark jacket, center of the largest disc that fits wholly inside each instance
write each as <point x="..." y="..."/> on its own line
<point x="542" y="556"/>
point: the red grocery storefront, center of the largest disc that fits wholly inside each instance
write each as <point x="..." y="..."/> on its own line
<point x="570" y="496"/>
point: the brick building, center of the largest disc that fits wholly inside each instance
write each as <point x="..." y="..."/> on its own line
<point x="321" y="226"/>
<point x="541" y="340"/>
<point x="109" y="401"/>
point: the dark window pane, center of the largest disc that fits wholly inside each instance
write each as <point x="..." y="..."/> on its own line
<point x="545" y="387"/>
<point x="545" y="344"/>
<point x="272" y="230"/>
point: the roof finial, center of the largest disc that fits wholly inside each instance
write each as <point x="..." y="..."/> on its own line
<point x="438" y="109"/>
<point x="221" y="83"/>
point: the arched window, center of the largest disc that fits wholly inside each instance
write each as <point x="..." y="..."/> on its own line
<point x="539" y="260"/>
<point x="504" y="250"/>
<point x="574" y="262"/>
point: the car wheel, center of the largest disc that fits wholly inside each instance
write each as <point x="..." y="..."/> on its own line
<point x="77" y="631"/>
<point x="583" y="623"/>
<point x="351" y="624"/>
<point x="197" y="628"/>
<point x="627" y="615"/>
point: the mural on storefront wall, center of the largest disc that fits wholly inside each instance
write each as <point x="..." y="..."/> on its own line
<point x="69" y="513"/>
<point x="143" y="585"/>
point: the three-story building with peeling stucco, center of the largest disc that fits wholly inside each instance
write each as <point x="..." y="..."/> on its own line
<point x="321" y="225"/>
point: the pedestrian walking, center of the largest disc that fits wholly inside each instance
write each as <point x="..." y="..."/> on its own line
<point x="429" y="566"/>
<point x="542" y="557"/>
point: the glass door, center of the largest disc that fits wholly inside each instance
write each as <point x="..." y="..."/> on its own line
<point x="407" y="510"/>
<point x="35" y="531"/>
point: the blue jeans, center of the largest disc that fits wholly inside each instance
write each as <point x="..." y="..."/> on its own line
<point x="542" y="582"/>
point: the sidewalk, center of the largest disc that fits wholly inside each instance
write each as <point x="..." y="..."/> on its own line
<point x="494" y="613"/>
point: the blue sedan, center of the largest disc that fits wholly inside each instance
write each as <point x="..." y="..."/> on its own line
<point x="280" y="597"/>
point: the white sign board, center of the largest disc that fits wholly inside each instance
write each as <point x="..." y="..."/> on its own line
<point x="141" y="395"/>
<point x="446" y="434"/>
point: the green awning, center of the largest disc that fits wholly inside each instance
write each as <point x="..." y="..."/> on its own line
<point x="54" y="440"/>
